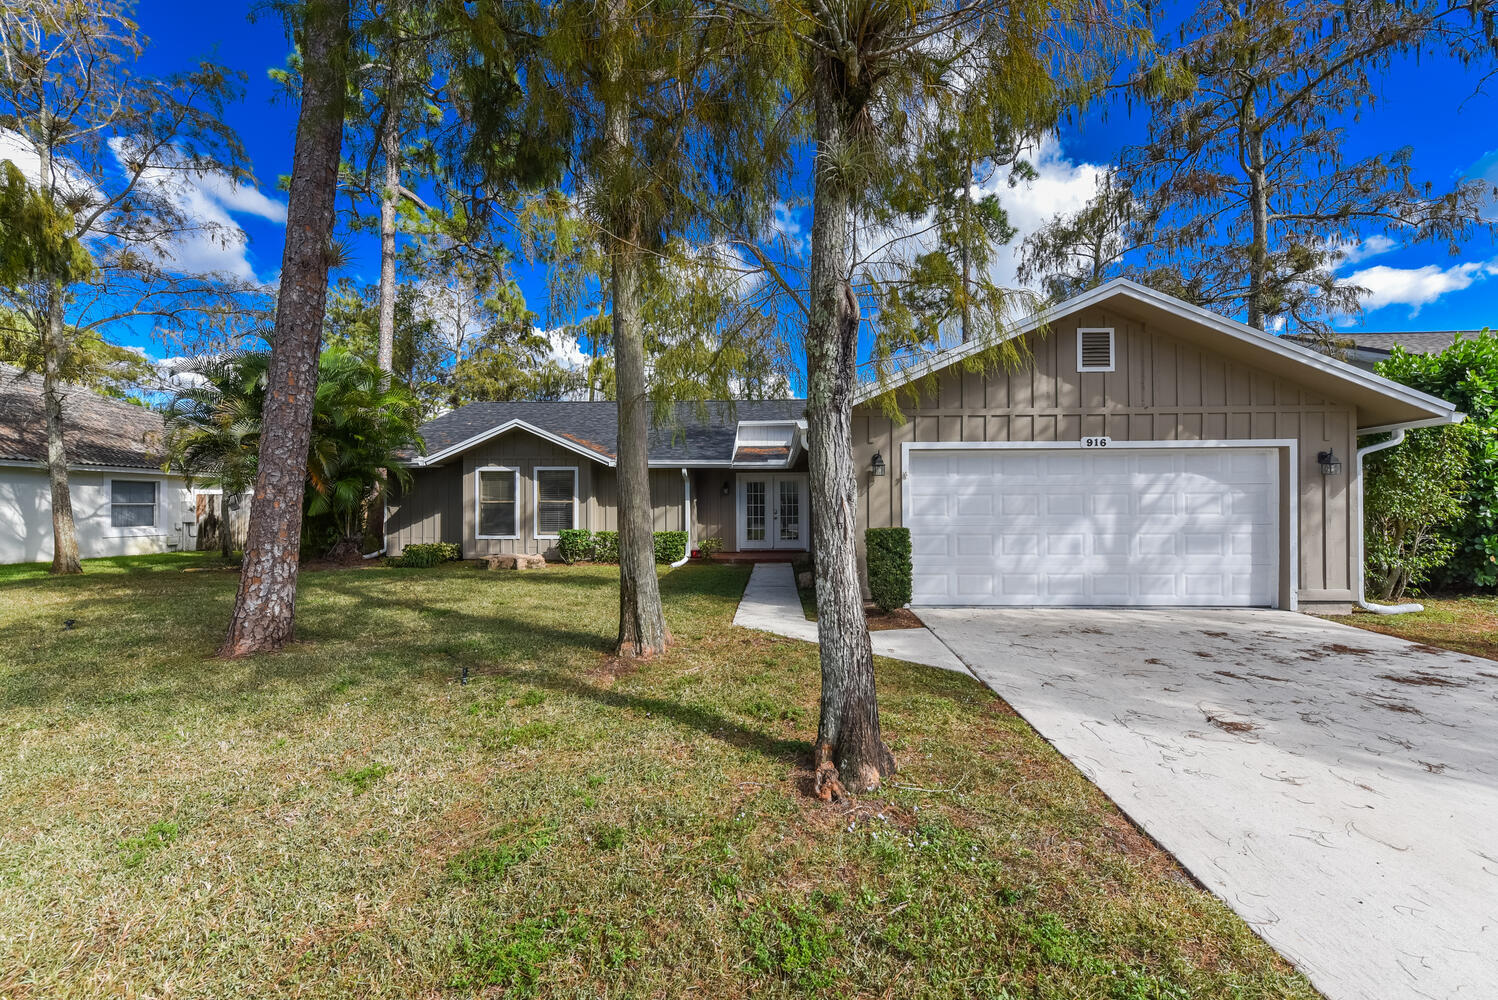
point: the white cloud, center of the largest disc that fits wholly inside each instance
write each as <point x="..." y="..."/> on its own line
<point x="1372" y="246"/>
<point x="565" y="350"/>
<point x="1062" y="187"/>
<point x="1416" y="286"/>
<point x="212" y="241"/>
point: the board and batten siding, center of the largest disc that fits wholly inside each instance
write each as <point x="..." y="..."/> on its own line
<point x="440" y="504"/>
<point x="1164" y="387"/>
<point x="429" y="510"/>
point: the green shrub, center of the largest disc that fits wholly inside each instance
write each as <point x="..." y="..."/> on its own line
<point x="1414" y="493"/>
<point x="710" y="547"/>
<point x="670" y="546"/>
<point x="427" y="555"/>
<point x="889" y="566"/>
<point x="1466" y="375"/>
<point x="606" y="546"/>
<point x="574" y="545"/>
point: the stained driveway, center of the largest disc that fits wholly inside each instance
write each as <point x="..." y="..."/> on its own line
<point x="1338" y="788"/>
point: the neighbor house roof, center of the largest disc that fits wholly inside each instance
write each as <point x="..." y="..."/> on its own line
<point x="1367" y="349"/>
<point x="1416" y="342"/>
<point x="1381" y="404"/>
<point x="98" y="431"/>
<point x="695" y="434"/>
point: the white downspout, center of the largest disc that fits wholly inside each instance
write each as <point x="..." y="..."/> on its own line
<point x="686" y="516"/>
<point x="1361" y="593"/>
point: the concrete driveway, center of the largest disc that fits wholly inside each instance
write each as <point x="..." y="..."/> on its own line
<point x="1338" y="788"/>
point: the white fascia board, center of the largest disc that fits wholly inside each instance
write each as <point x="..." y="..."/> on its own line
<point x="119" y="470"/>
<point x="493" y="432"/>
<point x="1456" y="417"/>
<point x="1205" y="317"/>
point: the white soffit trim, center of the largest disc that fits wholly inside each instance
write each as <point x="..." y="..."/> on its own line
<point x="1444" y="411"/>
<point x="40" y="465"/>
<point x="496" y="431"/>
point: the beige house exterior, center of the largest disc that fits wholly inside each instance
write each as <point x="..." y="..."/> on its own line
<point x="1147" y="452"/>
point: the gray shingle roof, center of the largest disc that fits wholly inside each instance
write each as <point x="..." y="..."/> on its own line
<point x="97" y="430"/>
<point x="1416" y="341"/>
<point x="699" y="432"/>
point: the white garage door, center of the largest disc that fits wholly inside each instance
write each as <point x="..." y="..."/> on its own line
<point x="1117" y="526"/>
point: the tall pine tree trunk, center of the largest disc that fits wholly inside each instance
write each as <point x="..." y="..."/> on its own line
<point x="849" y="745"/>
<point x="642" y="621"/>
<point x="54" y="346"/>
<point x="264" y="611"/>
<point x="390" y="150"/>
<point x="1258" y="184"/>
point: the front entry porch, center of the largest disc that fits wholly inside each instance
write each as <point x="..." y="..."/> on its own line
<point x="772" y="512"/>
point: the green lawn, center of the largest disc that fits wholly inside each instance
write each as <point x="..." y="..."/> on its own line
<point x="347" y="820"/>
<point x="1467" y="623"/>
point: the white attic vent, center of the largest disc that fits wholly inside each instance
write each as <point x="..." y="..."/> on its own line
<point x="1095" y="349"/>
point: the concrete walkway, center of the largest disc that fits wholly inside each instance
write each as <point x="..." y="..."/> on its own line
<point x="1337" y="788"/>
<point x="771" y="604"/>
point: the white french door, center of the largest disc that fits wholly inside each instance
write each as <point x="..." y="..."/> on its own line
<point x="773" y="511"/>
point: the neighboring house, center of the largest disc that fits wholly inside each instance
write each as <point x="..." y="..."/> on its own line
<point x="1364" y="350"/>
<point x="123" y="504"/>
<point x="1150" y="453"/>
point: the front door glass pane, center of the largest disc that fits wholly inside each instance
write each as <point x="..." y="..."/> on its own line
<point x="754" y="511"/>
<point x="790" y="510"/>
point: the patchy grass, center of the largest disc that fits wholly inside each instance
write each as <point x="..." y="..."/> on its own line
<point x="1465" y="623"/>
<point x="347" y="820"/>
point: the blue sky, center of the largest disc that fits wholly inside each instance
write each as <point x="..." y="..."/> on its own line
<point x="1427" y="105"/>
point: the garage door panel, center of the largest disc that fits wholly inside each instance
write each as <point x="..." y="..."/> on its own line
<point x="1071" y="527"/>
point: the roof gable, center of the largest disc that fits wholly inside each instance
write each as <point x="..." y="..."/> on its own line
<point x="696" y="433"/>
<point x="1379" y="401"/>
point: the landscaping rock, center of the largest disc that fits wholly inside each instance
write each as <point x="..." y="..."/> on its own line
<point x="515" y="561"/>
<point x="806" y="580"/>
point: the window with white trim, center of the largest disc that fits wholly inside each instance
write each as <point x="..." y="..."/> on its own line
<point x="1095" y="349"/>
<point x="132" y="503"/>
<point x="556" y="500"/>
<point x="497" y="502"/>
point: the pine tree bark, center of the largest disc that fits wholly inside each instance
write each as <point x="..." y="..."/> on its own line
<point x="1258" y="182"/>
<point x="54" y="346"/>
<point x="850" y="753"/>
<point x="390" y="151"/>
<point x="642" y="621"/>
<point x="265" y="608"/>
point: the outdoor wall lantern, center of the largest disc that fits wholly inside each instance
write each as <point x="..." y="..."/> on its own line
<point x="727" y="489"/>
<point x="1331" y="465"/>
<point x="878" y="464"/>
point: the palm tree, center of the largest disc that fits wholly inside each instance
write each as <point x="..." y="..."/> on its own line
<point x="361" y="423"/>
<point x="213" y="423"/>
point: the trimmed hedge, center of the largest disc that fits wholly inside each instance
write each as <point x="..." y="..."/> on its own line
<point x="606" y="546"/>
<point x="670" y="546"/>
<point x="426" y="555"/>
<point x="890" y="572"/>
<point x="575" y="545"/>
<point x="578" y="545"/>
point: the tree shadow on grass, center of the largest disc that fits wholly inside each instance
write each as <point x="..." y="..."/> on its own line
<point x="511" y="642"/>
<point x="706" y="721"/>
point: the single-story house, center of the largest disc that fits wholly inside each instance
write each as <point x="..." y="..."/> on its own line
<point x="123" y="503"/>
<point x="1149" y="453"/>
<point x="1364" y="349"/>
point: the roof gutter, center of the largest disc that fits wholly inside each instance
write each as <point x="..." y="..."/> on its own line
<point x="686" y="517"/>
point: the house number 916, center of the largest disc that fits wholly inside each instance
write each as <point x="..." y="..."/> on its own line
<point x="1096" y="442"/>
